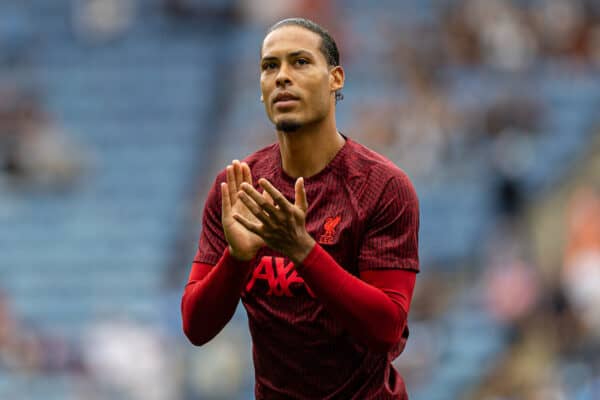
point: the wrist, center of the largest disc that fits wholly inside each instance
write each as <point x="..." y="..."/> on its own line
<point x="240" y="257"/>
<point x="303" y="249"/>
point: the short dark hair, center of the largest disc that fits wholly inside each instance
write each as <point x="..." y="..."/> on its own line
<point x="328" y="47"/>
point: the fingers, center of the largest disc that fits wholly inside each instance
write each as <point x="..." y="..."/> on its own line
<point x="259" y="199"/>
<point x="237" y="171"/>
<point x="225" y="200"/>
<point x="252" y="227"/>
<point x="275" y="194"/>
<point x="231" y="185"/>
<point x="300" y="200"/>
<point x="269" y="199"/>
<point x="254" y="208"/>
<point x="246" y="173"/>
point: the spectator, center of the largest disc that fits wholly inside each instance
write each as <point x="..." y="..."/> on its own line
<point x="416" y="131"/>
<point x="561" y="26"/>
<point x="492" y="32"/>
<point x="215" y="10"/>
<point x="130" y="358"/>
<point x="581" y="272"/>
<point x="35" y="151"/>
<point x="99" y="21"/>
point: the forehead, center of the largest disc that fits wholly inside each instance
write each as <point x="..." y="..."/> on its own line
<point x="288" y="39"/>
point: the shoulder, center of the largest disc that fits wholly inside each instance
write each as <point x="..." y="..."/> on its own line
<point x="265" y="158"/>
<point x="261" y="161"/>
<point x="377" y="174"/>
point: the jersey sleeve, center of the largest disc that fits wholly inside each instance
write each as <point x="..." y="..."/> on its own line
<point x="212" y="241"/>
<point x="391" y="240"/>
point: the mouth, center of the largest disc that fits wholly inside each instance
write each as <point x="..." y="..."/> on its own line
<point x="285" y="98"/>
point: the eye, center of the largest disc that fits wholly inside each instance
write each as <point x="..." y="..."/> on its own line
<point x="302" y="61"/>
<point x="269" y="65"/>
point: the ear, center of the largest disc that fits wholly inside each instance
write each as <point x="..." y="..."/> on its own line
<point x="336" y="78"/>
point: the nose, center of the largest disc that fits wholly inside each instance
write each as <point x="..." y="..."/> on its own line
<point x="283" y="77"/>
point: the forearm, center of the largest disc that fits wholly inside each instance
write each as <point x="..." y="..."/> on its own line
<point x="209" y="300"/>
<point x="369" y="313"/>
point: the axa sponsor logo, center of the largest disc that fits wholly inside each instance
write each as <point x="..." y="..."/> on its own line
<point x="281" y="277"/>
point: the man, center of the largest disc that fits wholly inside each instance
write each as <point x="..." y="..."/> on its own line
<point x="322" y="250"/>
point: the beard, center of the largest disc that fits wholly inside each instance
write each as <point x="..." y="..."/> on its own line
<point x="288" y="126"/>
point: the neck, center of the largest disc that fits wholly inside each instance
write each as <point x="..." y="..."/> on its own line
<point x="307" y="151"/>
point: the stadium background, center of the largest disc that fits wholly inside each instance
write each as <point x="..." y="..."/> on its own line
<point x="115" y="116"/>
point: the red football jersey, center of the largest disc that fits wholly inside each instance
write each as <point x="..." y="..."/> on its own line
<point x="363" y="210"/>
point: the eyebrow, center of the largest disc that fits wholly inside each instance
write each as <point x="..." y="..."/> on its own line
<point x="292" y="54"/>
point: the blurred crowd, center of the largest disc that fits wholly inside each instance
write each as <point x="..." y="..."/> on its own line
<point x="553" y="350"/>
<point x="436" y="120"/>
<point x="25" y="350"/>
<point x="100" y="362"/>
<point x="34" y="151"/>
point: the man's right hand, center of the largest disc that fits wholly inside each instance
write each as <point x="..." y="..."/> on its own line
<point x="243" y="244"/>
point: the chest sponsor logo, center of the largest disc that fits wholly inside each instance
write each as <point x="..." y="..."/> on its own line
<point x="281" y="277"/>
<point x="330" y="225"/>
